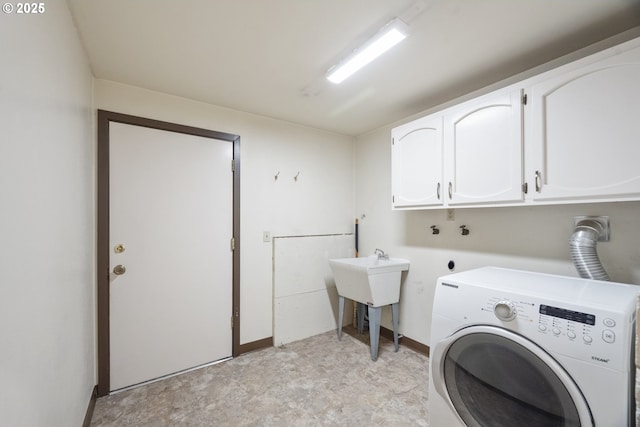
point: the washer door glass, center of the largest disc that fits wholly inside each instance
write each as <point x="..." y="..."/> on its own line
<point x="494" y="381"/>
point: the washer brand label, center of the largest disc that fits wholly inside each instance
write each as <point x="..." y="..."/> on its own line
<point x="600" y="359"/>
<point x="450" y="285"/>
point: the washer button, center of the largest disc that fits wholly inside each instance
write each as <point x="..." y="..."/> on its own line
<point x="556" y="331"/>
<point x="542" y="328"/>
<point x="587" y="339"/>
<point x="608" y="336"/>
<point x="571" y="334"/>
<point x="609" y="323"/>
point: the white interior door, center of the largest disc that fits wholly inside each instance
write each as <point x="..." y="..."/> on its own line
<point x="171" y="209"/>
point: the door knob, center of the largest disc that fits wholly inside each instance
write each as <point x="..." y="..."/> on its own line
<point x="119" y="269"/>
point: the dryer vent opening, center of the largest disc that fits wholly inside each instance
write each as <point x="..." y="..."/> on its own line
<point x="583" y="248"/>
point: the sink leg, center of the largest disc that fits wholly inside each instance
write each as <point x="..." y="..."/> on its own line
<point x="394" y="315"/>
<point x="374" y="330"/>
<point x="340" y="315"/>
<point x="361" y="309"/>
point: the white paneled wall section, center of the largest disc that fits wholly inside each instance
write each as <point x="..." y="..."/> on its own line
<point x="305" y="296"/>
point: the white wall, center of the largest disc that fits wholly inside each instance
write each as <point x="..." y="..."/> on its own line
<point x="319" y="202"/>
<point x="47" y="369"/>
<point x="305" y="294"/>
<point x="529" y="238"/>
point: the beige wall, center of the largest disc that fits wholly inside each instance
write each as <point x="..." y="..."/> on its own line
<point x="528" y="238"/>
<point x="319" y="202"/>
<point x="47" y="363"/>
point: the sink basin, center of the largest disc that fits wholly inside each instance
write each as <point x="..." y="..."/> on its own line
<point x="371" y="281"/>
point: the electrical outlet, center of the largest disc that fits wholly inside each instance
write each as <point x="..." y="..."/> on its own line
<point x="451" y="215"/>
<point x="266" y="236"/>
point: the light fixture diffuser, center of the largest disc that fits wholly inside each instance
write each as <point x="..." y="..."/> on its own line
<point x="390" y="35"/>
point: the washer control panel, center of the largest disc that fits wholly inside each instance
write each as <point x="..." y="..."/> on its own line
<point x="576" y="325"/>
<point x="582" y="335"/>
<point x="568" y="323"/>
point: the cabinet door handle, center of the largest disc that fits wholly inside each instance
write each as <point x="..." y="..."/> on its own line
<point x="438" y="191"/>
<point x="538" y="182"/>
<point x="450" y="191"/>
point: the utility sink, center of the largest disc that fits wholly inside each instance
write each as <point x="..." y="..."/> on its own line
<point x="372" y="282"/>
<point x="369" y="280"/>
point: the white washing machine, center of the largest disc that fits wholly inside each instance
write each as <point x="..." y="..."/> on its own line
<point x="515" y="348"/>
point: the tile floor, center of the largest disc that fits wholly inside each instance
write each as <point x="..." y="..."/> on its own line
<point x="319" y="381"/>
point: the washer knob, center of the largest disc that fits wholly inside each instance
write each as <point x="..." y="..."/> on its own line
<point x="505" y="310"/>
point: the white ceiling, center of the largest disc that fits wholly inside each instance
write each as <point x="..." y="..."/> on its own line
<point x="269" y="57"/>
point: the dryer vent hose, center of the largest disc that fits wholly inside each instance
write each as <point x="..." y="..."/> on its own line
<point x="583" y="250"/>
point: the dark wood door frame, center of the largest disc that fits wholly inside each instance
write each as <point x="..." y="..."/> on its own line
<point x="103" y="250"/>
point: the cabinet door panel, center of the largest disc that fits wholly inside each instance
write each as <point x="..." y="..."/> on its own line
<point x="585" y="131"/>
<point x="417" y="163"/>
<point x="483" y="141"/>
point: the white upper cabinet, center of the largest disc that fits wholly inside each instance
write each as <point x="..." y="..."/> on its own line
<point x="416" y="154"/>
<point x="583" y="130"/>
<point x="476" y="146"/>
<point x="483" y="150"/>
<point x="575" y="140"/>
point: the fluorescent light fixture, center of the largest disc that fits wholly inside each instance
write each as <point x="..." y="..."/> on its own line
<point x="390" y="35"/>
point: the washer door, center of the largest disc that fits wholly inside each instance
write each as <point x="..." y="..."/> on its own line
<point x="492" y="377"/>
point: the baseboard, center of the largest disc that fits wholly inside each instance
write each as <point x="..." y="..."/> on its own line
<point x="414" y="345"/>
<point x="92" y="404"/>
<point x="255" y="345"/>
<point x="388" y="334"/>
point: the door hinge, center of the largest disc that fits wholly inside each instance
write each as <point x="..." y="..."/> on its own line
<point x="524" y="99"/>
<point x="525" y="188"/>
<point x="232" y="321"/>
<point x="233" y="165"/>
<point x="393" y="141"/>
<point x="233" y="243"/>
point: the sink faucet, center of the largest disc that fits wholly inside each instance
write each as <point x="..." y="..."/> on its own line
<point x="381" y="254"/>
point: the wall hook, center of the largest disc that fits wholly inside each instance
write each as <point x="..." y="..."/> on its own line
<point x="435" y="230"/>
<point x="275" y="177"/>
<point x="295" y="178"/>
<point x="465" y="230"/>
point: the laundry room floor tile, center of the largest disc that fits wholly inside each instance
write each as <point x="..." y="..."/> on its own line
<point x="319" y="381"/>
